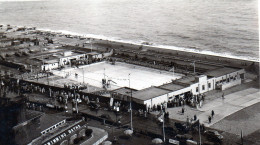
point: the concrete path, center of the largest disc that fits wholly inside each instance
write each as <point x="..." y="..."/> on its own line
<point x="231" y="104"/>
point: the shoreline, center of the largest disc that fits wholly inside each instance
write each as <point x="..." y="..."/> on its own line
<point x="156" y="46"/>
<point x="213" y="59"/>
<point x="231" y="61"/>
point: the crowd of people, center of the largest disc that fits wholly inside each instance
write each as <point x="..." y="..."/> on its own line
<point x="62" y="95"/>
<point x="189" y="99"/>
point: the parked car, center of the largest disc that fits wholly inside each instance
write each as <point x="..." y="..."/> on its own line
<point x="208" y="143"/>
<point x="170" y="131"/>
<point x="181" y="127"/>
<point x="183" y="138"/>
<point x="94" y="105"/>
<point x="105" y="116"/>
<point x="213" y="135"/>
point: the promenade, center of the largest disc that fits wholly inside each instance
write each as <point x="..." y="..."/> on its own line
<point x="235" y="109"/>
<point x="231" y="104"/>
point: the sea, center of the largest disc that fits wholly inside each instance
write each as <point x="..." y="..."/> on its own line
<point x="217" y="27"/>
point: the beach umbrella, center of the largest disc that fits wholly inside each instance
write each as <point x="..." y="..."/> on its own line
<point x="107" y="143"/>
<point x="128" y="132"/>
<point x="157" y="141"/>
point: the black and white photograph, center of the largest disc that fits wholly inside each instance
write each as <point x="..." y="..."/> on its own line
<point x="129" y="72"/>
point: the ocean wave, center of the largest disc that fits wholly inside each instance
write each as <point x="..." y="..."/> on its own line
<point x="207" y="52"/>
<point x="94" y="36"/>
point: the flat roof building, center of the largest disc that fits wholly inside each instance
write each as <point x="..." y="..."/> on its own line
<point x="151" y="96"/>
<point x="123" y="93"/>
<point x="220" y="78"/>
<point x="221" y="71"/>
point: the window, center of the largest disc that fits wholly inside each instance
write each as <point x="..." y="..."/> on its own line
<point x="203" y="87"/>
<point x="197" y="89"/>
<point x="209" y="85"/>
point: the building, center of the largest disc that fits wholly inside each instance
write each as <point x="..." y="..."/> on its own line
<point x="15" y="42"/>
<point x="226" y="77"/>
<point x="94" y="55"/>
<point x="49" y="129"/>
<point x="177" y="89"/>
<point x="151" y="96"/>
<point x="59" y="58"/>
<point x="36" y="126"/>
<point x="221" y="78"/>
<point x="50" y="65"/>
<point x="197" y="84"/>
<point x="69" y="56"/>
<point x="123" y="93"/>
<point x="2" y="34"/>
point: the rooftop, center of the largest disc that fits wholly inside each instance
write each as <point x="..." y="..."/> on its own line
<point x="187" y="80"/>
<point x="93" y="53"/>
<point x="221" y="71"/>
<point x="173" y="87"/>
<point x="64" y="129"/>
<point x="75" y="48"/>
<point x="53" y="56"/>
<point x="51" y="61"/>
<point x="149" y="93"/>
<point x="30" y="129"/>
<point x="28" y="115"/>
<point x="47" y="120"/>
<point x="124" y="91"/>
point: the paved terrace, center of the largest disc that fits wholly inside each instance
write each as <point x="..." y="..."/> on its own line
<point x="223" y="108"/>
<point x="231" y="104"/>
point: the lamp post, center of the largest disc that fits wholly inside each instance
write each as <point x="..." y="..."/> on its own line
<point x="76" y="101"/>
<point x="131" y="105"/>
<point x="194" y="67"/>
<point x="83" y="76"/>
<point x="91" y="45"/>
<point x="199" y="134"/>
<point x="163" y="128"/>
